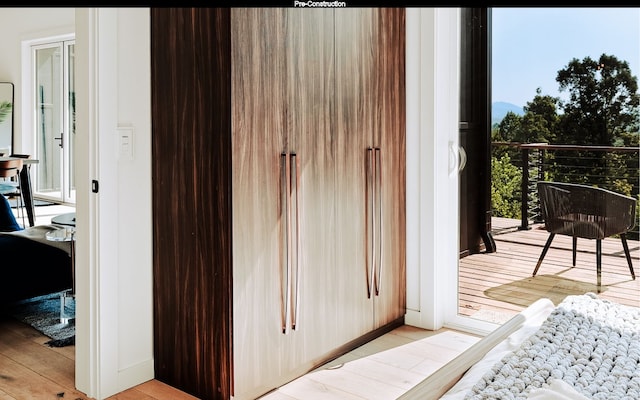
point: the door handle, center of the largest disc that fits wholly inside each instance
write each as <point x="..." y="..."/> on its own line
<point x="457" y="158"/>
<point x="462" y="153"/>
<point x="61" y="142"/>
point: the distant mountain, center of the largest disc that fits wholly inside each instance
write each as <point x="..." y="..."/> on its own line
<point x="499" y="109"/>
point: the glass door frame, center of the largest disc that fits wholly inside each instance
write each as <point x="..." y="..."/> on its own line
<point x="62" y="190"/>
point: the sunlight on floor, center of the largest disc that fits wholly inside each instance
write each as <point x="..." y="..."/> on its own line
<point x="383" y="375"/>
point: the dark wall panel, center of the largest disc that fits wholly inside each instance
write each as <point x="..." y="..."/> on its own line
<point x="191" y="152"/>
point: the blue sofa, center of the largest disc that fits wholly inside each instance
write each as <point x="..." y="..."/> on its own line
<point x="30" y="265"/>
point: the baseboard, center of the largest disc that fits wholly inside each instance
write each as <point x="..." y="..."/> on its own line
<point x="134" y="375"/>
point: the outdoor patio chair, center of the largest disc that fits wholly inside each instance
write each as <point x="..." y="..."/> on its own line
<point x="587" y="212"/>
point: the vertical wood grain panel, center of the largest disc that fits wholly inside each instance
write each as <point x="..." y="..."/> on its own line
<point x="282" y="91"/>
<point x="191" y="153"/>
<point x="391" y="137"/>
<point x="370" y="98"/>
<point x="311" y="78"/>
<point x="259" y="125"/>
<point x="356" y="113"/>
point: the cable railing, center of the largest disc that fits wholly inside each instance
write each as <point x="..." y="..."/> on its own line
<point x="608" y="167"/>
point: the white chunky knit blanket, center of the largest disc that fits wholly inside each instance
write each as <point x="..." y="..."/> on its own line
<point x="591" y="344"/>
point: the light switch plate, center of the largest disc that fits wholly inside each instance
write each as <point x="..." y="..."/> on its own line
<point x="125" y="142"/>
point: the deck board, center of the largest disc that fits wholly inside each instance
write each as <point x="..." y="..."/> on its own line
<point x="494" y="286"/>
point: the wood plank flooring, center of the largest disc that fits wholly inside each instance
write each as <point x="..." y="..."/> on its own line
<point x="382" y="369"/>
<point x="31" y="370"/>
<point x="496" y="286"/>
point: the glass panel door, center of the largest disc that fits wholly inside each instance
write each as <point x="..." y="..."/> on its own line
<point x="55" y="121"/>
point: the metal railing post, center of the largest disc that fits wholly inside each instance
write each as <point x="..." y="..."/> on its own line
<point x="524" y="196"/>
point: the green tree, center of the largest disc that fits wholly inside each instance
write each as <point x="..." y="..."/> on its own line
<point x="603" y="101"/>
<point x="506" y="181"/>
<point x="603" y="109"/>
<point x="537" y="125"/>
<point x="540" y="119"/>
<point x="508" y="128"/>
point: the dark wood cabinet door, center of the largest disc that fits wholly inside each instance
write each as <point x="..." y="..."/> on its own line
<point x="191" y="167"/>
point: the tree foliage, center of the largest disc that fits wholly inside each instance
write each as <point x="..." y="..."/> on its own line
<point x="602" y="109"/>
<point x="603" y="101"/>
<point x="506" y="183"/>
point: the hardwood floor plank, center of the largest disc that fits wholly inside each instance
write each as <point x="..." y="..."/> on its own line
<point x="385" y="374"/>
<point x="372" y="368"/>
<point x="501" y="282"/>
<point x="345" y="383"/>
<point x="40" y="359"/>
<point x="132" y="394"/>
<point x="157" y="390"/>
<point x="22" y="383"/>
<point x="275" y="395"/>
<point x="4" y="396"/>
<point x="305" y="388"/>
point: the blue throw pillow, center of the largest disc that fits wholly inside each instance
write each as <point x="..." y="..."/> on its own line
<point x="8" y="221"/>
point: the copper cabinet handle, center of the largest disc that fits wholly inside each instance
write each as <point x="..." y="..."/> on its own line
<point x="286" y="260"/>
<point x="290" y="268"/>
<point x="379" y="213"/>
<point x="370" y="222"/>
<point x="295" y="249"/>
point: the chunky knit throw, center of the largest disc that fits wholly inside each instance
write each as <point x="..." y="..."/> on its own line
<point x="590" y="343"/>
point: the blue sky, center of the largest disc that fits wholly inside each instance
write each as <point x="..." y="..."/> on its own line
<point x="530" y="45"/>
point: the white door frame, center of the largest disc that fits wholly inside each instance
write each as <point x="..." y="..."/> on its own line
<point x="114" y="342"/>
<point x="433" y="93"/>
<point x="97" y="295"/>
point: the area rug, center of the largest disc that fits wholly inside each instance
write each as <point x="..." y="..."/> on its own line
<point x="43" y="314"/>
<point x="36" y="203"/>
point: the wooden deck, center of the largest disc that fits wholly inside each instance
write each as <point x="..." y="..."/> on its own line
<point x="496" y="286"/>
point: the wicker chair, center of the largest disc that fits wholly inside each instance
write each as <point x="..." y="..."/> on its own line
<point x="587" y="212"/>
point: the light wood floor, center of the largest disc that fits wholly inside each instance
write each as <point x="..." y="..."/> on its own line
<point x="31" y="370"/>
<point x="382" y="369"/>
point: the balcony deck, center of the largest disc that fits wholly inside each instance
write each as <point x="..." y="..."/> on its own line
<point x="496" y="286"/>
